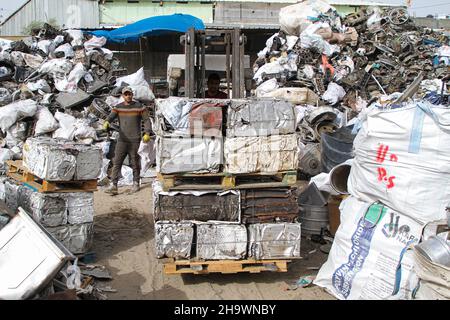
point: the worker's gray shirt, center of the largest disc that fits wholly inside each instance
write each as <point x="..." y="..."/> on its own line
<point x="130" y="117"/>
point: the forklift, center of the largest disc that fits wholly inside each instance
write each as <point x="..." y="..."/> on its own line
<point x="205" y="48"/>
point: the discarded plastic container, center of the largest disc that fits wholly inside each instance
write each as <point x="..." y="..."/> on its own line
<point x="336" y="148"/>
<point x="436" y="250"/>
<point x="339" y="177"/>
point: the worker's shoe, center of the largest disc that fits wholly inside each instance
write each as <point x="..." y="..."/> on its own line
<point x="112" y="190"/>
<point x="135" y="187"/>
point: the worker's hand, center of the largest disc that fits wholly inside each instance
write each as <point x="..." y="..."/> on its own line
<point x="106" y="125"/>
<point x="146" y="138"/>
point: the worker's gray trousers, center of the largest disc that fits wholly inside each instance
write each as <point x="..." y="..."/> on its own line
<point x="122" y="150"/>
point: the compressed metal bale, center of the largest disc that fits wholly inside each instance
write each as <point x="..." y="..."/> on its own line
<point x="260" y="117"/>
<point x="274" y="240"/>
<point x="188" y="154"/>
<point x="77" y="238"/>
<point x="176" y="116"/>
<point x="221" y="241"/>
<point x="61" y="160"/>
<point x="49" y="209"/>
<point x="199" y="206"/>
<point x="174" y="240"/>
<point x="87" y="162"/>
<point x="269" y="205"/>
<point x="12" y="194"/>
<point x="261" y="154"/>
<point x="2" y="188"/>
<point x="80" y="207"/>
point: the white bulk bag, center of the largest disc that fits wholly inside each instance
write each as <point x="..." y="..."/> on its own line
<point x="402" y="158"/>
<point x="370" y="257"/>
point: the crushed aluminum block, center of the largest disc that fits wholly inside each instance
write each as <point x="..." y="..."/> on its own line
<point x="177" y="116"/>
<point x="261" y="154"/>
<point x="260" y="117"/>
<point x="61" y="160"/>
<point x="174" y="240"/>
<point x="77" y="238"/>
<point x="80" y="207"/>
<point x="12" y="194"/>
<point x="175" y="155"/>
<point x="87" y="159"/>
<point x="49" y="209"/>
<point x="197" y="205"/>
<point x="221" y="241"/>
<point x="274" y="240"/>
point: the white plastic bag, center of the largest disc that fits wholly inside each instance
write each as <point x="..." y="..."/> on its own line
<point x="147" y="153"/>
<point x="67" y="126"/>
<point x="402" y="158"/>
<point x="84" y="130"/>
<point x="56" y="67"/>
<point x="369" y="258"/>
<point x="44" y="45"/>
<point x="334" y="93"/>
<point x="77" y="36"/>
<point x="95" y="42"/>
<point x="66" y="49"/>
<point x="13" y="112"/>
<point x="46" y="122"/>
<point x="266" y="87"/>
<point x="309" y="39"/>
<point x="70" y="84"/>
<point x="296" y="18"/>
<point x="268" y="68"/>
<point x="33" y="61"/>
<point x="39" y="85"/>
<point x="73" y="275"/>
<point x="138" y="84"/>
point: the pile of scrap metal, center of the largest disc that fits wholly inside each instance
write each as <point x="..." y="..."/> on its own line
<point x="62" y="85"/>
<point x="225" y="137"/>
<point x="332" y="68"/>
<point x="36" y="266"/>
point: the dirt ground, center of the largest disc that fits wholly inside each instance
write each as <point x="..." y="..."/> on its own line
<point x="124" y="243"/>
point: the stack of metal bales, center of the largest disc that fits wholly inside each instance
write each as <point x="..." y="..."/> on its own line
<point x="68" y="216"/>
<point x="234" y="138"/>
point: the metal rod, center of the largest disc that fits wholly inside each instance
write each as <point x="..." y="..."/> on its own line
<point x="140" y="50"/>
<point x="384" y="92"/>
<point x="227" y="41"/>
<point x="203" y="65"/>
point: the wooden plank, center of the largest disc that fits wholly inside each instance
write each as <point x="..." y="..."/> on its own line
<point x="225" y="266"/>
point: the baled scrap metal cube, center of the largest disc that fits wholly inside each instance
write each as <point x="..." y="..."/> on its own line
<point x="274" y="240"/>
<point x="260" y="117"/>
<point x="261" y="154"/>
<point x="217" y="241"/>
<point x="175" y="155"/>
<point x="77" y="238"/>
<point x="174" y="239"/>
<point x="196" y="205"/>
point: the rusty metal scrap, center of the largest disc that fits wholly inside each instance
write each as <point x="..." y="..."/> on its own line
<point x="269" y="205"/>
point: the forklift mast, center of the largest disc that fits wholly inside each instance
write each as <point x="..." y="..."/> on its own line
<point x="196" y="43"/>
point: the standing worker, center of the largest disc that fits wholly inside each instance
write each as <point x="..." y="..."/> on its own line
<point x="130" y="114"/>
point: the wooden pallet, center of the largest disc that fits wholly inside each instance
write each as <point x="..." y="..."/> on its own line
<point x="225" y="266"/>
<point x="18" y="172"/>
<point x="224" y="181"/>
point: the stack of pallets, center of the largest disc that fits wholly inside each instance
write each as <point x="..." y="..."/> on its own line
<point x="225" y="198"/>
<point x="64" y="206"/>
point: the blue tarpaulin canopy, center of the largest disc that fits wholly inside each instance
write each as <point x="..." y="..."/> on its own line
<point x="151" y="26"/>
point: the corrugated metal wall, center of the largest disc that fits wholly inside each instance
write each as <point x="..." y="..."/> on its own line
<point x="67" y="13"/>
<point x="122" y="12"/>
